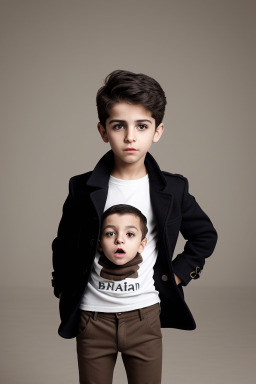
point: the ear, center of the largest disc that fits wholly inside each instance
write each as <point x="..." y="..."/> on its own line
<point x="103" y="132"/>
<point x="99" y="246"/>
<point x="158" y="133"/>
<point x="142" y="245"/>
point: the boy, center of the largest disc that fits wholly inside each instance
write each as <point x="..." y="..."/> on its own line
<point x="131" y="109"/>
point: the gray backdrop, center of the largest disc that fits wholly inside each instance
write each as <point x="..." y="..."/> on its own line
<point x="55" y="55"/>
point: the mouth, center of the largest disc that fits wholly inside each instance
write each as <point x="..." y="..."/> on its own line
<point x="119" y="252"/>
<point x="130" y="149"/>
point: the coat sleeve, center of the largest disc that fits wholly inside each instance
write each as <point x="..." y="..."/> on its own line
<point x="63" y="244"/>
<point x="201" y="236"/>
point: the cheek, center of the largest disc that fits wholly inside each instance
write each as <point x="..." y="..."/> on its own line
<point x="147" y="141"/>
<point x="113" y="143"/>
<point x="136" y="248"/>
<point x="104" y="244"/>
<point x="117" y="140"/>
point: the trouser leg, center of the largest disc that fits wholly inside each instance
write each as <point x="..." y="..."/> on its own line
<point x="96" y="348"/>
<point x="140" y="341"/>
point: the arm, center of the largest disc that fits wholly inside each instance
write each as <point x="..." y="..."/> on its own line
<point x="201" y="237"/>
<point x="62" y="245"/>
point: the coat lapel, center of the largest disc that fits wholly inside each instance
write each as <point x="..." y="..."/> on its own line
<point x="98" y="182"/>
<point x="99" y="198"/>
<point x="161" y="199"/>
<point x="161" y="203"/>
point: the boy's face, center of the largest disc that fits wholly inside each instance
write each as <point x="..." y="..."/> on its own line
<point x="121" y="238"/>
<point x="130" y="131"/>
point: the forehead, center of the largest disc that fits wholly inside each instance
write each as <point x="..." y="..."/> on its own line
<point x="122" y="220"/>
<point x="126" y="111"/>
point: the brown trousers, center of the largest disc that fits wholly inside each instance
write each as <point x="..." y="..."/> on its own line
<point x="136" y="334"/>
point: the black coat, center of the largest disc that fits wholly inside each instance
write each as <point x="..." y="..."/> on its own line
<point x="175" y="211"/>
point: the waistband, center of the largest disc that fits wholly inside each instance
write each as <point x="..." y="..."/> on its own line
<point x="128" y="314"/>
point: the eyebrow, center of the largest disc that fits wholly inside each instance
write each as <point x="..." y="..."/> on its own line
<point x="126" y="227"/>
<point x="123" y="121"/>
<point x="131" y="227"/>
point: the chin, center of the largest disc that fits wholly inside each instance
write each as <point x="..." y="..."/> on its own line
<point x="119" y="261"/>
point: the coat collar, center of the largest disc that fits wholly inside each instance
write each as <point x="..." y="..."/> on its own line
<point x="161" y="198"/>
<point x="101" y="173"/>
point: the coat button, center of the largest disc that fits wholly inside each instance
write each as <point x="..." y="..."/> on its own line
<point x="164" y="278"/>
<point x="195" y="274"/>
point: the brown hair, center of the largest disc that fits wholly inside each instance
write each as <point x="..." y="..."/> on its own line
<point x="123" y="209"/>
<point x="125" y="86"/>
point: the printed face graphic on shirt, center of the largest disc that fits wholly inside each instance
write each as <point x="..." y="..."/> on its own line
<point x="121" y="242"/>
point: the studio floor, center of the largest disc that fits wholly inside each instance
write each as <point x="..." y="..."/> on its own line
<point x="221" y="350"/>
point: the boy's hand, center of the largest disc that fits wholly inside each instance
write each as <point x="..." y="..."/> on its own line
<point x="59" y="295"/>
<point x="177" y="279"/>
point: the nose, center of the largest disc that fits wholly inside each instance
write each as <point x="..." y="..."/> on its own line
<point x="130" y="135"/>
<point x="119" y="240"/>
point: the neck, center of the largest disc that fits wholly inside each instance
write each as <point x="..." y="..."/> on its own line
<point x="129" y="171"/>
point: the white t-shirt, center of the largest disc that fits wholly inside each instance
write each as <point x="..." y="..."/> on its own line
<point x="107" y="293"/>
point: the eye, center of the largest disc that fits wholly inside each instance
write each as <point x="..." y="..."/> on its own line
<point x="130" y="234"/>
<point x="142" y="127"/>
<point x="110" y="234"/>
<point x="117" y="127"/>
